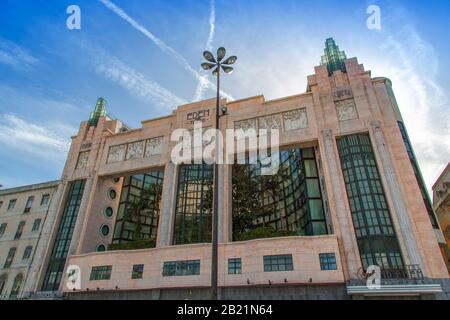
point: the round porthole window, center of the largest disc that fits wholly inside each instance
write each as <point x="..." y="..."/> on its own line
<point x="112" y="194"/>
<point x="116" y="180"/>
<point x="104" y="230"/>
<point x="101" y="248"/>
<point x="109" y="212"/>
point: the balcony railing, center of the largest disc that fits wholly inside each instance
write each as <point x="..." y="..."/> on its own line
<point x="408" y="274"/>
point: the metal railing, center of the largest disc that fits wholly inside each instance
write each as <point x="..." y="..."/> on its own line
<point x="408" y="274"/>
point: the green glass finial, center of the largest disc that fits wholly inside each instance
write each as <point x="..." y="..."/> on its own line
<point x="333" y="58"/>
<point x="99" y="111"/>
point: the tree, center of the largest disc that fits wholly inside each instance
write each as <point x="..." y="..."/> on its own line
<point x="246" y="200"/>
<point x="147" y="205"/>
<point x="248" y="191"/>
<point x="272" y="186"/>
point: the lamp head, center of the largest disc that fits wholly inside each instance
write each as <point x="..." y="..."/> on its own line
<point x="209" y="56"/>
<point x="224" y="110"/>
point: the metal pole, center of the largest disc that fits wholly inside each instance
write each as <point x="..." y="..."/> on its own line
<point x="215" y="222"/>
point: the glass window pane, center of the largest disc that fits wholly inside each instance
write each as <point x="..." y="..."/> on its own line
<point x="310" y="168"/>
<point x="316" y="209"/>
<point x="313" y="188"/>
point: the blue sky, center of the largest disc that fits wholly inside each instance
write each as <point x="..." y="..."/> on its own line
<point x="144" y="57"/>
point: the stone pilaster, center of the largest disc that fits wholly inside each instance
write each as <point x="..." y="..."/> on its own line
<point x="346" y="231"/>
<point x="167" y="206"/>
<point x="393" y="187"/>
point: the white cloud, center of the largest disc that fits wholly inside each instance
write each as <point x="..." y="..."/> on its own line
<point x="50" y="142"/>
<point x="135" y="82"/>
<point x="413" y="65"/>
<point x="15" y="56"/>
<point x="161" y="45"/>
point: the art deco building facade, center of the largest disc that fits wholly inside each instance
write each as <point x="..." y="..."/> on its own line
<point x="441" y="204"/>
<point x="348" y="194"/>
<point x="24" y="216"/>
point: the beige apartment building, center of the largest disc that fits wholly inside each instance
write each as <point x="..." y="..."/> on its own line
<point x="348" y="194"/>
<point x="441" y="204"/>
<point x="24" y="212"/>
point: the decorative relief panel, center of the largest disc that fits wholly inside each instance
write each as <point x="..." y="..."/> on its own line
<point x="346" y="110"/>
<point x="342" y="93"/>
<point x="270" y="122"/>
<point x="135" y="150"/>
<point x="153" y="147"/>
<point x="245" y="124"/>
<point x="83" y="158"/>
<point x="117" y="153"/>
<point x="295" y="119"/>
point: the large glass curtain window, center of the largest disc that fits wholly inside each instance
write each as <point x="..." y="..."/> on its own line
<point x="194" y="204"/>
<point x="288" y="202"/>
<point x="377" y="241"/>
<point x="61" y="245"/>
<point x="139" y="207"/>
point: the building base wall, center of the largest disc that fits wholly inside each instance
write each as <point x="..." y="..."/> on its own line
<point x="277" y="292"/>
<point x="303" y="292"/>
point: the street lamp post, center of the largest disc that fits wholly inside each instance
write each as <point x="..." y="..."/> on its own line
<point x="217" y="65"/>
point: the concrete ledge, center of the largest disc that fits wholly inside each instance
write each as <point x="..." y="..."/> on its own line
<point x="397" y="290"/>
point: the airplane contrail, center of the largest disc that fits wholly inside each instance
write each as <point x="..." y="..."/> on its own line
<point x="132" y="80"/>
<point x="160" y="44"/>
<point x="202" y="84"/>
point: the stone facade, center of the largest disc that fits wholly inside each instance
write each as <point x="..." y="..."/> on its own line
<point x="34" y="215"/>
<point x="441" y="204"/>
<point x="334" y="106"/>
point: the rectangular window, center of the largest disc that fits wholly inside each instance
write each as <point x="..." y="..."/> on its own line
<point x="29" y="204"/>
<point x="143" y="191"/>
<point x="327" y="261"/>
<point x="1" y="204"/>
<point x="27" y="253"/>
<point x="372" y="221"/>
<point x="44" y="199"/>
<point x="234" y="266"/>
<point x="36" y="225"/>
<point x="12" y="204"/>
<point x="194" y="204"/>
<point x="101" y="273"/>
<point x="55" y="268"/>
<point x="3" y="229"/>
<point x="181" y="268"/>
<point x="19" y="230"/>
<point x="278" y="263"/>
<point x="138" y="271"/>
<point x="289" y="202"/>
<point x="10" y="258"/>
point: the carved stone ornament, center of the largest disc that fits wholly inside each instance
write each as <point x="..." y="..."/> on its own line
<point x="135" y="150"/>
<point x="346" y="110"/>
<point x="295" y="119"/>
<point x="154" y="147"/>
<point x="83" y="158"/>
<point x="245" y="124"/>
<point x="342" y="93"/>
<point x="270" y="122"/>
<point x="116" y="153"/>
